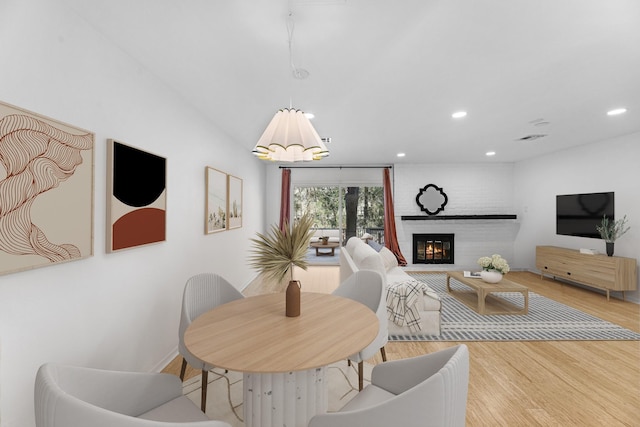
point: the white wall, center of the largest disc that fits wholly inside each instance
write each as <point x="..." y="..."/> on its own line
<point x="119" y="310"/>
<point x="610" y="165"/>
<point x="471" y="189"/>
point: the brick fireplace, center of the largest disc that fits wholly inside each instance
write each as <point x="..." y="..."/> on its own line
<point x="433" y="248"/>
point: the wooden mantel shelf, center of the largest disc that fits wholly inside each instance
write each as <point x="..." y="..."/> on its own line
<point x="454" y="217"/>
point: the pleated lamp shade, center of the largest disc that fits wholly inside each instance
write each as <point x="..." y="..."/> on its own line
<point x="290" y="137"/>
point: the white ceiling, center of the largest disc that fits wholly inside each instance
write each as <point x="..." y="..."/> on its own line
<point x="385" y="76"/>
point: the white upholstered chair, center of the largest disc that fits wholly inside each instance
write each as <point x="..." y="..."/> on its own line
<point x="202" y="293"/>
<point x="428" y="390"/>
<point x="71" y="396"/>
<point x="367" y="287"/>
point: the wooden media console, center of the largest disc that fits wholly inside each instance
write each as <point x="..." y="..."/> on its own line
<point x="609" y="273"/>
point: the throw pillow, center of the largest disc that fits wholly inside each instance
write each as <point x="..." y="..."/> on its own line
<point x="388" y="258"/>
<point x="375" y="245"/>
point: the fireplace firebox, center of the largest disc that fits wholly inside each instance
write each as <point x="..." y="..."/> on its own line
<point x="433" y="249"/>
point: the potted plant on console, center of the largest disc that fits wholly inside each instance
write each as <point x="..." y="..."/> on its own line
<point x="493" y="268"/>
<point x="277" y="252"/>
<point x="612" y="230"/>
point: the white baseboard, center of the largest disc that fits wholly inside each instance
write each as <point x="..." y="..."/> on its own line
<point x="166" y="360"/>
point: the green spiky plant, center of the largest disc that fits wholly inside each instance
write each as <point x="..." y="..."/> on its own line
<point x="612" y="230"/>
<point x="277" y="252"/>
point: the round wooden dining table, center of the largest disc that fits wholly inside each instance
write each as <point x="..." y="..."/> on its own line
<point x="283" y="359"/>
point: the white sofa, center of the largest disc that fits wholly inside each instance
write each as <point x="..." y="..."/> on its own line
<point x="332" y="234"/>
<point x="358" y="255"/>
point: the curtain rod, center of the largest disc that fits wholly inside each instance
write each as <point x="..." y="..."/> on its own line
<point x="336" y="167"/>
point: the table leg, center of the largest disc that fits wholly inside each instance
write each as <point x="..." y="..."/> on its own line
<point x="481" y="301"/>
<point x="284" y="399"/>
<point x="448" y="283"/>
<point x="526" y="301"/>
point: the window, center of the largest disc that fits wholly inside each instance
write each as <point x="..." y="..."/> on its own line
<point x="354" y="210"/>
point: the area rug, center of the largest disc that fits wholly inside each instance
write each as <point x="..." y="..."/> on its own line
<point x="224" y="392"/>
<point x="314" y="259"/>
<point x="547" y="320"/>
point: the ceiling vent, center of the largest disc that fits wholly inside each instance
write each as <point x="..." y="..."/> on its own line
<point x="531" y="137"/>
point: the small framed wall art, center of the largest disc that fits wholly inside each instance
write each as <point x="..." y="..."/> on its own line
<point x="216" y="200"/>
<point x="136" y="197"/>
<point x="46" y="191"/>
<point x="234" y="211"/>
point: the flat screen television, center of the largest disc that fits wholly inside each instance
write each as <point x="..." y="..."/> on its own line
<point x="579" y="214"/>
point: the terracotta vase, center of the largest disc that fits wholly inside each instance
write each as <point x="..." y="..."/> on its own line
<point x="491" y="276"/>
<point x="293" y="298"/>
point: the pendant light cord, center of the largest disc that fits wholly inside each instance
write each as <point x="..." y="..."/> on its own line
<point x="298" y="73"/>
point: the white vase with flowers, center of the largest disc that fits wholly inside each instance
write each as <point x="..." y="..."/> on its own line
<point x="493" y="268"/>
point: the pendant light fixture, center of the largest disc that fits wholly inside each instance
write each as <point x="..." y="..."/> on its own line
<point x="290" y="136"/>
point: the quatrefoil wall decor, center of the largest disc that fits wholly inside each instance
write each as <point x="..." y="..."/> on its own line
<point x="431" y="199"/>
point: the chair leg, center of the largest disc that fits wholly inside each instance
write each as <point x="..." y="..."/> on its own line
<point x="205" y="382"/>
<point x="183" y="369"/>
<point x="360" y="375"/>
<point x="384" y="354"/>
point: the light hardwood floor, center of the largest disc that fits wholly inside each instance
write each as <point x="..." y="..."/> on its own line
<point x="550" y="383"/>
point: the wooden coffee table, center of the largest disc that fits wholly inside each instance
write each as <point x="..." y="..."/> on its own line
<point x="481" y="301"/>
<point x="329" y="245"/>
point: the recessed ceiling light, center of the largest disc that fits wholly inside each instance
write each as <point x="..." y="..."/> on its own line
<point x="309" y="115"/>
<point x="401" y="154"/>
<point x="490" y="153"/>
<point x="616" y="111"/>
<point x="459" y="114"/>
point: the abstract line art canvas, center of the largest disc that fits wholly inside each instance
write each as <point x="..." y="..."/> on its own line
<point x="136" y="197"/>
<point x="46" y="191"/>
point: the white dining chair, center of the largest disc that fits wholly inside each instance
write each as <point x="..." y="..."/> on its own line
<point x="424" y="391"/>
<point x="367" y="287"/>
<point x="73" y="396"/>
<point x="202" y="293"/>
